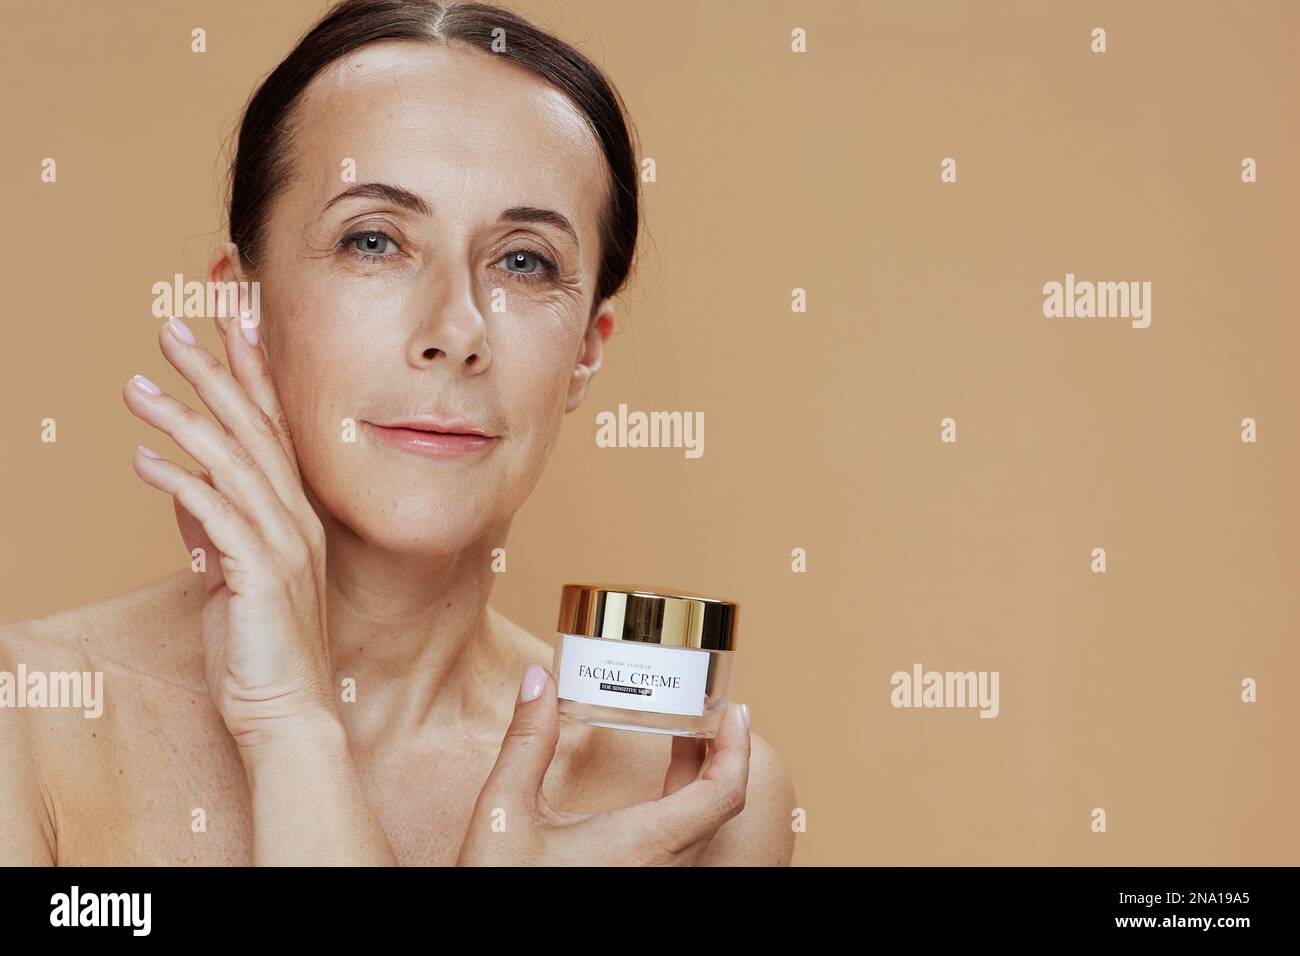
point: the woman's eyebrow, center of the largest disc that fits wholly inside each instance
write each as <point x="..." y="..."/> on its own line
<point x="533" y="214"/>
<point x="393" y="194"/>
<point x="409" y="200"/>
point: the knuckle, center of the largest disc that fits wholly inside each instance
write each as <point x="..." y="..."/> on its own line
<point x="298" y="556"/>
<point x="654" y="846"/>
<point x="527" y="737"/>
<point x="282" y="424"/>
<point x="242" y="457"/>
<point x="522" y="735"/>
<point x="264" y="426"/>
<point x="731" y="800"/>
<point x="208" y="363"/>
<point x="187" y="419"/>
<point x="315" y="533"/>
<point x="223" y="507"/>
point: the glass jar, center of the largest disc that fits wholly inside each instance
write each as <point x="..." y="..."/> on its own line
<point x="649" y="660"/>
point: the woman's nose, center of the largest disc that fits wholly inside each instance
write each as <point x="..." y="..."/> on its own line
<point x="453" y="333"/>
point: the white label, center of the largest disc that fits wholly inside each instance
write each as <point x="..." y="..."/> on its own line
<point x="633" y="675"/>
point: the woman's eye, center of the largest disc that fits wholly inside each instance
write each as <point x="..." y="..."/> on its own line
<point x="528" y="265"/>
<point x="372" y="245"/>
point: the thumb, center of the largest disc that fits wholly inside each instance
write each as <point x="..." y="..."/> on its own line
<point x="528" y="746"/>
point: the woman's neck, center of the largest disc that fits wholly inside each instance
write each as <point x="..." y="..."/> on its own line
<point x="416" y="638"/>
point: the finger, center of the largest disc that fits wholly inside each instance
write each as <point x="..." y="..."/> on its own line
<point x="684" y="765"/>
<point x="196" y="539"/>
<point x="249" y="366"/>
<point x="527" y="748"/>
<point x="695" y="811"/>
<point x="228" y="531"/>
<point x="233" y="408"/>
<point x="234" y="473"/>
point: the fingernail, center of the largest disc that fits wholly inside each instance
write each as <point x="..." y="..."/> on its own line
<point x="148" y="452"/>
<point x="534" y="681"/>
<point x="141" y="382"/>
<point x="181" y="331"/>
<point x="250" y="333"/>
<point x="744" y="714"/>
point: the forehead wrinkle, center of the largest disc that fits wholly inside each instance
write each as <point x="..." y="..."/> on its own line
<point x="534" y="106"/>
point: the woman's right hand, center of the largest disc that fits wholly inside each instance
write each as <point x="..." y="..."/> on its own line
<point x="266" y="656"/>
<point x="513" y="824"/>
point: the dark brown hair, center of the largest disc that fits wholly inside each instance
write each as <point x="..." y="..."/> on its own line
<point x="262" y="159"/>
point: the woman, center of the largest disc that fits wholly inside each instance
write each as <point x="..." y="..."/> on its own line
<point x="423" y="327"/>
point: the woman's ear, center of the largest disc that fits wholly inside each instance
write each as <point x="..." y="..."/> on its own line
<point x="225" y="266"/>
<point x="591" y="354"/>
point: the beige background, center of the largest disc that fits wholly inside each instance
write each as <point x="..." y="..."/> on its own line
<point x="820" y="171"/>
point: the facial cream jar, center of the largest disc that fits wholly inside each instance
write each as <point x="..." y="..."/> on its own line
<point x="641" y="659"/>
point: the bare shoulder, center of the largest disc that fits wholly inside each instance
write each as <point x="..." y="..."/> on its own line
<point x="71" y="684"/>
<point x="77" y="676"/>
<point x="31" y="688"/>
<point x="148" y="630"/>
<point x="26" y="817"/>
<point x="103" y="653"/>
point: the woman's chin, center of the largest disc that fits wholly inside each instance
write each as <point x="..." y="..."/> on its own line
<point x="431" y="532"/>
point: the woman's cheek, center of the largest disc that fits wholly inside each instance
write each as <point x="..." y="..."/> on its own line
<point x="540" y="435"/>
<point x="316" y="427"/>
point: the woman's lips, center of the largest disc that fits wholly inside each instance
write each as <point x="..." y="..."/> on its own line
<point x="430" y="443"/>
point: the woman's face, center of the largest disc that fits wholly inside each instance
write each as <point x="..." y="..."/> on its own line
<point x="461" y="308"/>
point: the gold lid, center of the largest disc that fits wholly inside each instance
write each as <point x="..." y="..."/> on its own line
<point x="653" y="616"/>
